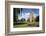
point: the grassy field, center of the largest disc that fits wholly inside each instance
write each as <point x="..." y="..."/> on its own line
<point x="26" y="25"/>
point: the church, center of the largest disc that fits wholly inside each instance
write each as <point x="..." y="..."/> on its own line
<point x="31" y="18"/>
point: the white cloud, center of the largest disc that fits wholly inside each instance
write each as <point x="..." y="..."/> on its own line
<point x="35" y="15"/>
<point x="26" y="16"/>
<point x="19" y="17"/>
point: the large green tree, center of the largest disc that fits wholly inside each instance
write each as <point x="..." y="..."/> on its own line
<point x="16" y="11"/>
<point x="37" y="19"/>
<point x="22" y="20"/>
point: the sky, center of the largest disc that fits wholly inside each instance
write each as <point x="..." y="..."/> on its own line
<point x="26" y="12"/>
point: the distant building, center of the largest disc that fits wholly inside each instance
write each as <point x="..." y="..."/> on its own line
<point x="31" y="18"/>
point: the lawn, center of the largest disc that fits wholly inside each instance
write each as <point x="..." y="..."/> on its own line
<point x="20" y="25"/>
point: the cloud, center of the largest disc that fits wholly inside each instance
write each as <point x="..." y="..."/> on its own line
<point x="26" y="16"/>
<point x="35" y="15"/>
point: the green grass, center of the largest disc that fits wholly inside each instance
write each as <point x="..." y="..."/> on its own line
<point x="24" y="24"/>
<point x="21" y="25"/>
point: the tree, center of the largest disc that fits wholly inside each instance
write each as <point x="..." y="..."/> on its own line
<point x="37" y="19"/>
<point x="28" y="20"/>
<point x="21" y="9"/>
<point x="16" y="11"/>
<point x="22" y="20"/>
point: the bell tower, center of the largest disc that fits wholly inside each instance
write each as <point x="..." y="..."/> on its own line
<point x="31" y="17"/>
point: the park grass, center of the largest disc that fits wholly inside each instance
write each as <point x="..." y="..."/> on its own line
<point x="24" y="25"/>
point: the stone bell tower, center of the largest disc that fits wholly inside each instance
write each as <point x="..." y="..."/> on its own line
<point x="31" y="17"/>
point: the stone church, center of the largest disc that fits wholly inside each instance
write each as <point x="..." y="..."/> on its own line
<point x="31" y="18"/>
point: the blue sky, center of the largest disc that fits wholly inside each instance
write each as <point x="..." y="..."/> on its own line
<point x="26" y="11"/>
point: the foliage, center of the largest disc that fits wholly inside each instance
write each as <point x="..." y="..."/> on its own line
<point x="16" y="11"/>
<point x="28" y="20"/>
<point x="37" y="19"/>
<point x="23" y="20"/>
